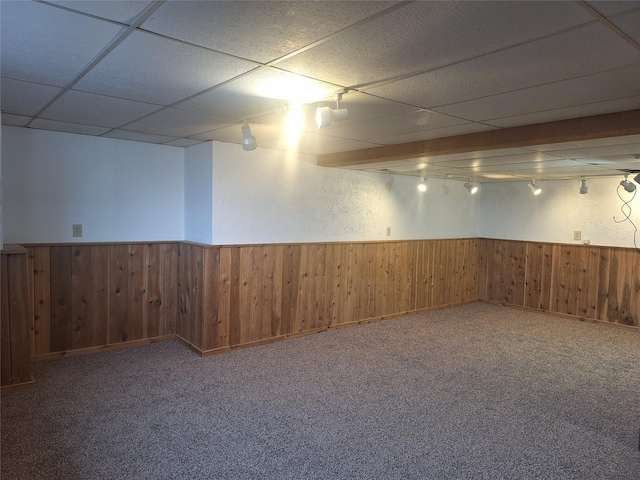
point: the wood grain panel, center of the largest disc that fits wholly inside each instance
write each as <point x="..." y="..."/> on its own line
<point x="600" y="283"/>
<point x="100" y="273"/>
<point x="92" y="296"/>
<point x="81" y="297"/>
<point x="41" y="330"/>
<point x="61" y="323"/>
<point x="169" y="288"/>
<point x="15" y="360"/>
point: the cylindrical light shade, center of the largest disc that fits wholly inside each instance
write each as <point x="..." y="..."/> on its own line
<point x="471" y="187"/>
<point x="627" y="185"/>
<point x="535" y="188"/>
<point x="584" y="189"/>
<point x="248" y="141"/>
<point x="325" y="116"/>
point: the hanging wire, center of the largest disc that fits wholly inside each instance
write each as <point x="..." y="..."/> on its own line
<point x="625" y="208"/>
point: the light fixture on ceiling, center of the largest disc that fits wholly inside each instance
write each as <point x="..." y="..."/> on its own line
<point x="325" y="116"/>
<point x="637" y="178"/>
<point x="422" y="186"/>
<point x="248" y="141"/>
<point x="471" y="187"/>
<point x="584" y="189"/>
<point x="627" y="185"/>
<point x="535" y="189"/>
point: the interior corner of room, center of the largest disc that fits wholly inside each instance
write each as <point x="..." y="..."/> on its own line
<point x="279" y="179"/>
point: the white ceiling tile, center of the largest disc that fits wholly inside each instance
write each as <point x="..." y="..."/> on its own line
<point x="43" y="124"/>
<point x="478" y="155"/>
<point x="419" y="167"/>
<point x="25" y="98"/>
<point x="530" y="62"/>
<point x="138" y="137"/>
<point x="595" y="152"/>
<point x="433" y="133"/>
<point x="578" y="52"/>
<point x="306" y="142"/>
<point x="536" y="166"/>
<point x="120" y="11"/>
<point x="427" y="35"/>
<point x="98" y="110"/>
<point x="404" y="123"/>
<point x="183" y="142"/>
<point x="48" y="45"/>
<point x="611" y="7"/>
<point x="233" y="133"/>
<point x="233" y="27"/>
<point x="151" y="69"/>
<point x="606" y="86"/>
<point x="177" y="123"/>
<point x="493" y="161"/>
<point x="344" y="147"/>
<point x="629" y="23"/>
<point x="629" y="161"/>
<point x="597" y="108"/>
<point x="258" y="91"/>
<point x="560" y="148"/>
<point x="14" y="120"/>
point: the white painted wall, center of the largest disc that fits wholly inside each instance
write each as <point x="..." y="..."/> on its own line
<point x="117" y="189"/>
<point x="217" y="193"/>
<point x="198" y="193"/>
<point x="267" y="196"/>
<point x="510" y="211"/>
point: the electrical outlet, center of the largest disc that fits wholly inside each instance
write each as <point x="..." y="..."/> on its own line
<point x="388" y="231"/>
<point x="577" y="235"/>
<point x="77" y="230"/>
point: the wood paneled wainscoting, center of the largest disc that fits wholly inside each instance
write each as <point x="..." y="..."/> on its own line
<point x="90" y="297"/>
<point x="583" y="281"/>
<point x="232" y="296"/>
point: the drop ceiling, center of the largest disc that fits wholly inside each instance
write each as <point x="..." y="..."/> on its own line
<point x="184" y="72"/>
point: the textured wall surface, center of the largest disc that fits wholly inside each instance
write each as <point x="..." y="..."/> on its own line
<point x="265" y="196"/>
<point x="510" y="211"/>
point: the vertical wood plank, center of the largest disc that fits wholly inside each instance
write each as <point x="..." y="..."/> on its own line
<point x="278" y="289"/>
<point x="169" y="288"/>
<point x="136" y="294"/>
<point x="369" y="281"/>
<point x="267" y="307"/>
<point x="222" y="338"/>
<point x="81" y="297"/>
<point x="153" y="321"/>
<point x="119" y="292"/>
<point x="5" y="323"/>
<point x="211" y="298"/>
<point x="61" y="298"/>
<point x="100" y="272"/>
<point x="42" y="300"/>
<point x="14" y="288"/>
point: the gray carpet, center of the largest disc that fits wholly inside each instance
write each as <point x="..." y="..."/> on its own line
<point x="477" y="391"/>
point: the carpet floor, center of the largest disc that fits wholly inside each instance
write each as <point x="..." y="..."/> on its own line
<point x="471" y="392"/>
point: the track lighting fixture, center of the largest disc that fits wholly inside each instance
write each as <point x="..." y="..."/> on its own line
<point x="248" y="141"/>
<point x="627" y="185"/>
<point x="535" y="188"/>
<point x="325" y="116"/>
<point x="471" y="187"/>
<point x="422" y="186"/>
<point x="584" y="189"/>
<point x="637" y="178"/>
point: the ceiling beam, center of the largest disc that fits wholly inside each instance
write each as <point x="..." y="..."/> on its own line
<point x="576" y="129"/>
